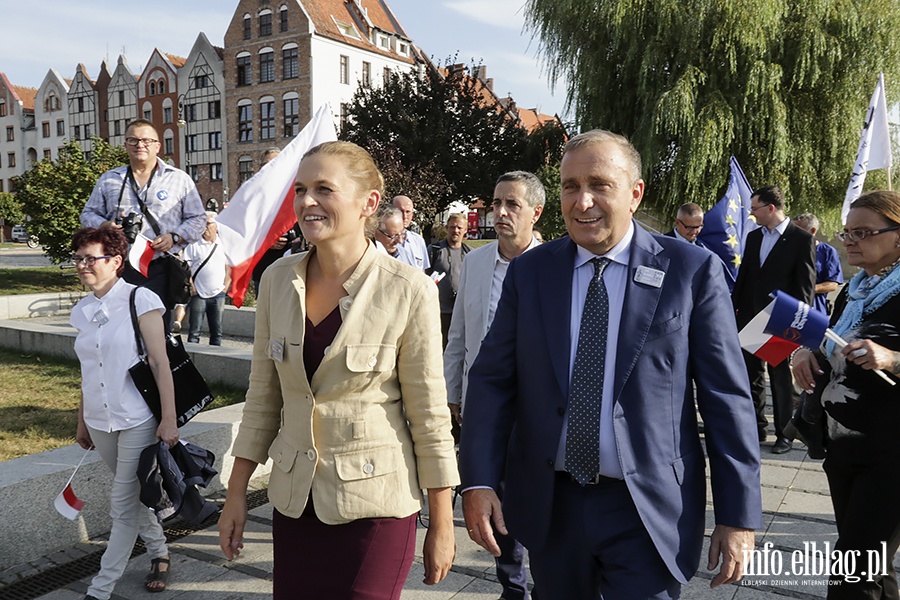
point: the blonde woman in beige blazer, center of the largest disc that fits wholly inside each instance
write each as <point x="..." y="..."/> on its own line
<point x="348" y="400"/>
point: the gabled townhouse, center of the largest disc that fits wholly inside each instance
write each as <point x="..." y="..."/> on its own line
<point x="83" y="111"/>
<point x="51" y="114"/>
<point x="121" y="103"/>
<point x="157" y="97"/>
<point x="101" y="86"/>
<point x="200" y="103"/>
<point x="16" y="130"/>
<point x="285" y="58"/>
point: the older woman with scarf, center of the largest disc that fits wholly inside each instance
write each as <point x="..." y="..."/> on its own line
<point x="862" y="411"/>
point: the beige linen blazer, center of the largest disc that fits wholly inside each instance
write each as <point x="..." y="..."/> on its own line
<point x="373" y="428"/>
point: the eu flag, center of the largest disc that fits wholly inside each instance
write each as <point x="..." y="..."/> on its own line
<point x="726" y="225"/>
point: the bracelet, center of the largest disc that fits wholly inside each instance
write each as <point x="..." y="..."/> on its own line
<point x="791" y="357"/>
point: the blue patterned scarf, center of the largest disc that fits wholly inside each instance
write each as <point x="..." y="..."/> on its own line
<point x="867" y="294"/>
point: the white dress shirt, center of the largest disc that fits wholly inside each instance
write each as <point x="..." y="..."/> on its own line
<point x="210" y="281"/>
<point x="770" y="238"/>
<point x="414" y="251"/>
<point x="615" y="277"/>
<point x="500" y="267"/>
<point x="106" y="350"/>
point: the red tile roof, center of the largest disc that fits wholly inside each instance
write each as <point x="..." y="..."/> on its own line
<point x="26" y="95"/>
<point x="176" y="61"/>
<point x="322" y="11"/>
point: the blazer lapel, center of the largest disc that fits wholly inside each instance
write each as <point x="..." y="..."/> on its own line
<point x="555" y="293"/>
<point x="641" y="301"/>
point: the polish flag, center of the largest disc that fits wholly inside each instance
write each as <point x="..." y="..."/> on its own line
<point x="782" y="327"/>
<point x="141" y="254"/>
<point x="67" y="503"/>
<point x="262" y="209"/>
<point x="436" y="277"/>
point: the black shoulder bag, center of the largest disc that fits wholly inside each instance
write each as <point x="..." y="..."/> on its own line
<point x="191" y="391"/>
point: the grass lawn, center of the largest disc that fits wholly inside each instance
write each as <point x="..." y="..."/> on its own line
<point x="39" y="402"/>
<point x="38" y="280"/>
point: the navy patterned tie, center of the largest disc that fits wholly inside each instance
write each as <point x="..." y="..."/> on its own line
<point x="583" y="430"/>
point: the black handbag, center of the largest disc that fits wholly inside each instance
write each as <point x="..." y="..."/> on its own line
<point x="191" y="391"/>
<point x="178" y="289"/>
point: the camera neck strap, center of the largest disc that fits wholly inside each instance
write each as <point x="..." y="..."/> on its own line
<point x="129" y="179"/>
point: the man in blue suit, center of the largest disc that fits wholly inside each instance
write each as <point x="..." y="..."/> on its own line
<point x="581" y="400"/>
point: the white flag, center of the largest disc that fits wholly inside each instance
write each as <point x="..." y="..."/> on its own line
<point x="874" y="146"/>
<point x="263" y="208"/>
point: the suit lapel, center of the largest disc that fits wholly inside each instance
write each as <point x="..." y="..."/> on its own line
<point x="486" y="282"/>
<point x="555" y="293"/>
<point x="641" y="301"/>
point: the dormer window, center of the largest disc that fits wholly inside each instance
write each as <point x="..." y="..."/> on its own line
<point x="403" y="48"/>
<point x="347" y="30"/>
<point x="384" y="42"/>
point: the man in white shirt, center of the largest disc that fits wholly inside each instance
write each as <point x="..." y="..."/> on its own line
<point x="211" y="279"/>
<point x="518" y="203"/>
<point x="413" y="249"/>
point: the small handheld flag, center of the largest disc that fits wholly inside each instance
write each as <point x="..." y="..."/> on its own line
<point x="436" y="277"/>
<point x="140" y="254"/>
<point x="67" y="503"/>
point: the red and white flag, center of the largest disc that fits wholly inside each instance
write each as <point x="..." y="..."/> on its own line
<point x="141" y="254"/>
<point x="765" y="346"/>
<point x="263" y="208"/>
<point x="67" y="503"/>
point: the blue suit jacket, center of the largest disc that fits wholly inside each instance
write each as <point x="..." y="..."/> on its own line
<point x="683" y="330"/>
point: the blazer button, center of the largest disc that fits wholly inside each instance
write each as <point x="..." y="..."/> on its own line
<point x="561" y="411"/>
<point x="550" y="462"/>
<point x="368" y="468"/>
<point x="311" y="454"/>
<point x="309" y="399"/>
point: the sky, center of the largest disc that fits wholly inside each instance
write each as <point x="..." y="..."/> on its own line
<point x="62" y="33"/>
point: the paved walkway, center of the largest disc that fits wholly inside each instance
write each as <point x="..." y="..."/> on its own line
<point x="796" y="512"/>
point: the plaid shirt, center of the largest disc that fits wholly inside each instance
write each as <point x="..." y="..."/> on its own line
<point x="172" y="198"/>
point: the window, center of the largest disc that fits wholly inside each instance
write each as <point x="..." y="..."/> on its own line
<point x="267" y="120"/>
<point x="201" y="81"/>
<point x="190" y="112"/>
<point x="152" y="88"/>
<point x="106" y="116"/>
<point x="266" y="67"/>
<point x="367" y="74"/>
<point x="169" y="146"/>
<point x="384" y="42"/>
<point x="265" y="23"/>
<point x="214" y="109"/>
<point x="215" y="140"/>
<point x="167" y="114"/>
<point x="51" y="103"/>
<point x="215" y="172"/>
<point x="117" y="128"/>
<point x="344" y="115"/>
<point x="194" y="172"/>
<point x="47" y="154"/>
<point x="11" y="159"/>
<point x="45" y="129"/>
<point x="10" y="134"/>
<point x="345" y="69"/>
<point x="243" y="70"/>
<point x="162" y="86"/>
<point x="60" y="128"/>
<point x="291" y="117"/>
<point x="387" y="75"/>
<point x="87" y="132"/>
<point x="245" y="123"/>
<point x="191" y="142"/>
<point x="148" y="114"/>
<point x="87" y="156"/>
<point x="290" y="63"/>
<point x="81" y="105"/>
<point x="122" y="98"/>
<point x="283" y="13"/>
<point x="1" y="185"/>
<point x="403" y="48"/>
<point x="248" y="27"/>
<point x="245" y="169"/>
<point x="76" y="132"/>
<point x="2" y="108"/>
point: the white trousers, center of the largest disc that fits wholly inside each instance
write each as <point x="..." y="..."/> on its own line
<point x="121" y="451"/>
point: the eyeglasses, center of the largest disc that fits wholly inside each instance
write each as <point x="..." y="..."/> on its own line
<point x="133" y="141"/>
<point x="756" y="208"/>
<point x="689" y="227"/>
<point x="858" y="235"/>
<point x="395" y="239"/>
<point x="87" y="260"/>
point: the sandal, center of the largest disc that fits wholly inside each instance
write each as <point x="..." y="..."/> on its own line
<point x="156" y="580"/>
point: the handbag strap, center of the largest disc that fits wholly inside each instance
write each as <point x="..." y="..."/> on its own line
<point x="134" y="325"/>
<point x="206" y="260"/>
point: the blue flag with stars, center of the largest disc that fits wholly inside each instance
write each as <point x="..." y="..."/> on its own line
<point x="726" y="225"/>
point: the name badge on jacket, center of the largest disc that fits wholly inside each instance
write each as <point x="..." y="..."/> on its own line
<point x="648" y="276"/>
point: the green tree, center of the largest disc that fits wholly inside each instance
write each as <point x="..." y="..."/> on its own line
<point x="443" y="137"/>
<point x="54" y="192"/>
<point x="782" y="85"/>
<point x="10" y="211"/>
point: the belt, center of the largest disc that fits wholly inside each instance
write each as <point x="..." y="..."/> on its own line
<point x="597" y="479"/>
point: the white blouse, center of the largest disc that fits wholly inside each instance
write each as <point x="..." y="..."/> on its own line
<point x="106" y="350"/>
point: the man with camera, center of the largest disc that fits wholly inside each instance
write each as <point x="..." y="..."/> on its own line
<point x="151" y="198"/>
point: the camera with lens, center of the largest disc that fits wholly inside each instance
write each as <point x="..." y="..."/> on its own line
<point x="131" y="225"/>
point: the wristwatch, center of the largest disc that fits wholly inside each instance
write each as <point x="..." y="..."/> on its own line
<point x="176" y="238"/>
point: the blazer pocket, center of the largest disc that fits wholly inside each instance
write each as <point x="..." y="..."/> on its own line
<point x="665" y="327"/>
<point x="364" y="358"/>
<point x="281" y="481"/>
<point x="368" y="481"/>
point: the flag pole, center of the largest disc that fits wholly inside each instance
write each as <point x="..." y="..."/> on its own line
<point x="840" y="343"/>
